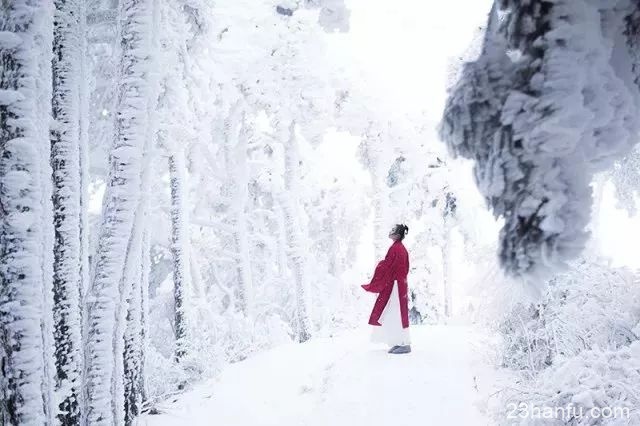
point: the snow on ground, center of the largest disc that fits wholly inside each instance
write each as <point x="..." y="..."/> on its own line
<point x="346" y="381"/>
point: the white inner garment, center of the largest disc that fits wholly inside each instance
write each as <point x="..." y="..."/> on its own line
<point x="391" y="331"/>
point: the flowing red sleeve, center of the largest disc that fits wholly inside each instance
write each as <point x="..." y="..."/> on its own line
<point x="384" y="273"/>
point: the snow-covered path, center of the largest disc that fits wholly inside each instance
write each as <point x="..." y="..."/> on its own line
<point x="346" y="380"/>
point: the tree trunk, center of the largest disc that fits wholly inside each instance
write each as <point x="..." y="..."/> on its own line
<point x="135" y="278"/>
<point x="133" y="334"/>
<point x="84" y="161"/>
<point x="180" y="242"/>
<point x="448" y="215"/>
<point x="144" y="311"/>
<point x="236" y="146"/>
<point x="67" y="204"/>
<point x="44" y="89"/>
<point x="25" y="292"/>
<point x="133" y="349"/>
<point x="446" y="273"/>
<point x="121" y="202"/>
<point x="296" y="252"/>
<point x="282" y="240"/>
<point x="335" y="266"/>
<point x="378" y="169"/>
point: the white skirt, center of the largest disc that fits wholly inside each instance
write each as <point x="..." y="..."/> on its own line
<point x="391" y="331"/>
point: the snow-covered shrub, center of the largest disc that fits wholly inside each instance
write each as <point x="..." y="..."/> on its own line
<point x="202" y="359"/>
<point x="423" y="308"/>
<point x="596" y="387"/>
<point x="575" y="315"/>
<point x="426" y="276"/>
<point x="579" y="345"/>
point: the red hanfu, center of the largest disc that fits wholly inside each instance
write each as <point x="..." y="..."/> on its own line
<point x="393" y="269"/>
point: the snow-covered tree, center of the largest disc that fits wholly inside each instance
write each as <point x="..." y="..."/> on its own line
<point x="134" y="346"/>
<point x="551" y="100"/>
<point x="68" y="143"/>
<point x="241" y="279"/>
<point x="377" y="156"/>
<point x="180" y="247"/>
<point x="135" y="282"/>
<point x="108" y="289"/>
<point x="289" y="65"/>
<point x="176" y="134"/>
<point x="236" y="191"/>
<point x="26" y="226"/>
<point x="295" y="238"/>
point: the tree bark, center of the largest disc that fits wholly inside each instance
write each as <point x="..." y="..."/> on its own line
<point x="133" y="333"/>
<point x="446" y="273"/>
<point x="25" y="286"/>
<point x="180" y="242"/>
<point x="236" y="145"/>
<point x="67" y="205"/>
<point x="121" y="202"/>
<point x="296" y="253"/>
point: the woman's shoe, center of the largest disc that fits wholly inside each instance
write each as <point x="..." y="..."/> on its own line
<point x="392" y="350"/>
<point x="400" y="349"/>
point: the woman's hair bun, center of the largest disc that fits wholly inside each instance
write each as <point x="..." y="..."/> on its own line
<point x="401" y="229"/>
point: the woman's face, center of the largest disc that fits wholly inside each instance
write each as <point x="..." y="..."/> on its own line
<point x="393" y="235"/>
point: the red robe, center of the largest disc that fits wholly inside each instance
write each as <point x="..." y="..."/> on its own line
<point x="394" y="267"/>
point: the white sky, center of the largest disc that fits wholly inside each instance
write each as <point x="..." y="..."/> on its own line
<point x="404" y="48"/>
<point x="618" y="233"/>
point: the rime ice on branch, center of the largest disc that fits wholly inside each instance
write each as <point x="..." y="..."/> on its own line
<point x="25" y="283"/>
<point x="551" y="100"/>
<point x="107" y="294"/>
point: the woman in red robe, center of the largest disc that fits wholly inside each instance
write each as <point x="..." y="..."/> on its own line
<point x="390" y="314"/>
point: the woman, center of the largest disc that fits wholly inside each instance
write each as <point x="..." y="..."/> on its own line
<point x="390" y="314"/>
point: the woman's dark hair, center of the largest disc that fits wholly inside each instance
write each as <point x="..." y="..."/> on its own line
<point x="401" y="229"/>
